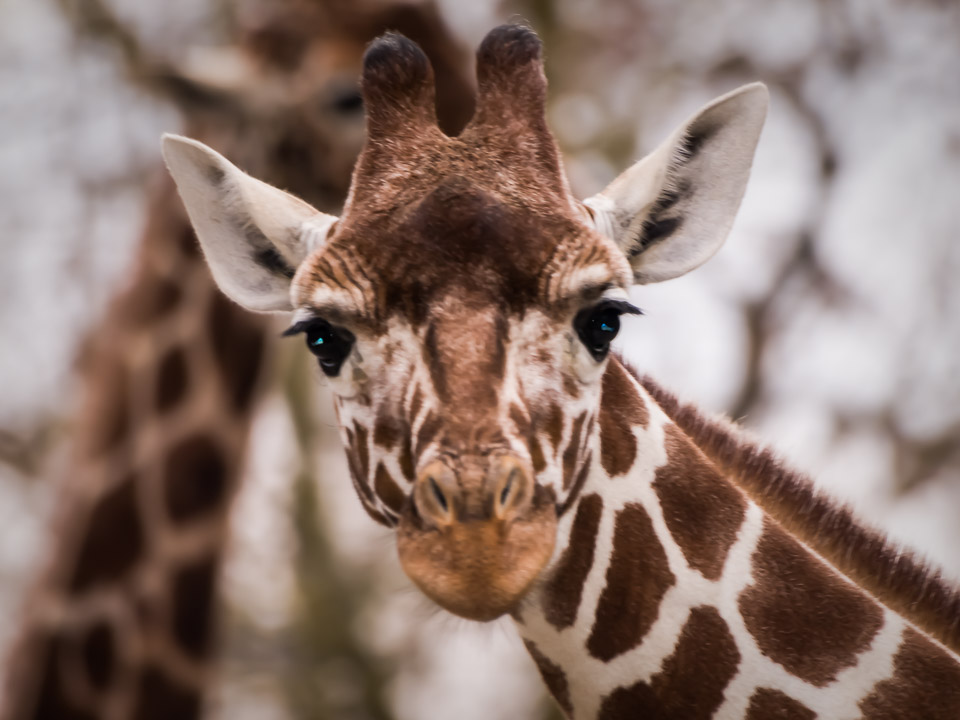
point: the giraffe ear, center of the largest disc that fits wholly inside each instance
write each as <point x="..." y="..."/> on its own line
<point x="253" y="235"/>
<point x="672" y="211"/>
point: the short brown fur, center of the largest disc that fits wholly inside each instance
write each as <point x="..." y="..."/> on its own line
<point x="925" y="680"/>
<point x="894" y="576"/>
<point x="768" y="704"/>
<point x="635" y="584"/>
<point x="702" y="512"/>
<point x="801" y="614"/>
<point x="564" y="589"/>
<point x="618" y="415"/>
<point x="690" y="683"/>
<point x="553" y="677"/>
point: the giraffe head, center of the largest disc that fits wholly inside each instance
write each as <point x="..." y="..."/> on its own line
<point x="463" y="305"/>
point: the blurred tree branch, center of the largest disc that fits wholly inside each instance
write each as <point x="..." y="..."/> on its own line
<point x="26" y="452"/>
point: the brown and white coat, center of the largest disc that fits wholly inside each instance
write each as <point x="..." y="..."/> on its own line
<point x="656" y="564"/>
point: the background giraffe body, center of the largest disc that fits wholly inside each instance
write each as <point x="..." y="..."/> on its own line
<point x="462" y="309"/>
<point x="121" y="623"/>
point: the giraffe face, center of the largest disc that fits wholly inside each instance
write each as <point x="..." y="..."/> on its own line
<point x="466" y="367"/>
<point x="462" y="306"/>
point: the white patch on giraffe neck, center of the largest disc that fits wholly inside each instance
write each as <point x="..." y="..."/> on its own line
<point x="590" y="680"/>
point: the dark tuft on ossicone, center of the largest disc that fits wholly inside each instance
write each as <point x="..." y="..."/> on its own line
<point x="510" y="78"/>
<point x="509" y="46"/>
<point x="393" y="63"/>
<point x="398" y="90"/>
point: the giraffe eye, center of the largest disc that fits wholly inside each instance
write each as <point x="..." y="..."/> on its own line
<point x="328" y="343"/>
<point x="349" y="102"/>
<point x="599" y="325"/>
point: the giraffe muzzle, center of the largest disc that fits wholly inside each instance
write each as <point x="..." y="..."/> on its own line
<point x="477" y="534"/>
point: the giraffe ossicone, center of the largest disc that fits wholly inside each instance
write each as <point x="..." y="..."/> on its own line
<point x="462" y="307"/>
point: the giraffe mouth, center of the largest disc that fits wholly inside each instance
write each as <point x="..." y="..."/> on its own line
<point x="478" y="568"/>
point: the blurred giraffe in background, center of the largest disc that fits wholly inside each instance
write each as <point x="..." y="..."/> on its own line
<point x="121" y="623"/>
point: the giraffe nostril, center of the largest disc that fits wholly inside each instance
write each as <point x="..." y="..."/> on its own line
<point x="438" y="495"/>
<point x="512" y="488"/>
<point x="508" y="486"/>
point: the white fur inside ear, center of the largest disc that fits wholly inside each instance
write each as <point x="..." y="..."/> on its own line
<point x="603" y="214"/>
<point x="671" y="211"/>
<point x="253" y="235"/>
<point x="315" y="230"/>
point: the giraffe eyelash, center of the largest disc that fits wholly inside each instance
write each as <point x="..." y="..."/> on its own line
<point x="300" y="327"/>
<point x="621" y="306"/>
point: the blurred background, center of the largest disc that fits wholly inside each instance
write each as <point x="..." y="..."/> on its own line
<point x="829" y="324"/>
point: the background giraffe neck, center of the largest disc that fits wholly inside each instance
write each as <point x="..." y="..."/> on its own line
<point x="122" y="619"/>
<point x="120" y="623"/>
<point x="671" y="587"/>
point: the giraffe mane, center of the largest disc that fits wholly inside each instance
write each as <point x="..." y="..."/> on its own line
<point x="893" y="575"/>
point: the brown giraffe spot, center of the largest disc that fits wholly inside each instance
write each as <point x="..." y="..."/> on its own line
<point x="570" y="386"/>
<point x="237" y="341"/>
<point x="561" y="597"/>
<point x="769" y="704"/>
<point x="195" y="478"/>
<point x="434" y="363"/>
<point x="428" y="430"/>
<point x="161" y="698"/>
<point x="154" y="298"/>
<point x="621" y="408"/>
<point x="360" y="484"/>
<point x="406" y="454"/>
<point x="415" y="403"/>
<point x="172" y="380"/>
<point x="99" y="655"/>
<point x="542" y="356"/>
<point x="553" y="677"/>
<point x="637" y="579"/>
<point x="52" y="700"/>
<point x="578" y="484"/>
<point x="703" y="512"/>
<point x="520" y="420"/>
<point x="387" y="489"/>
<point x="386" y="430"/>
<point x="362" y="449"/>
<point x="498" y="362"/>
<point x="192" y="594"/>
<point x="114" y="542"/>
<point x="572" y="451"/>
<point x="553" y="425"/>
<point x="526" y="431"/>
<point x="925" y="684"/>
<point x="111" y="424"/>
<point x="801" y="615"/>
<point x="690" y="683"/>
<point x="536" y="455"/>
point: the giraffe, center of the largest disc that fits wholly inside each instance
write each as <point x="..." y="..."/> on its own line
<point x="655" y="562"/>
<point x="121" y="623"/>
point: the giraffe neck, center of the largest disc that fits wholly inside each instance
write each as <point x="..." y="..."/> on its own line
<point x="680" y="590"/>
<point x="120" y="624"/>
